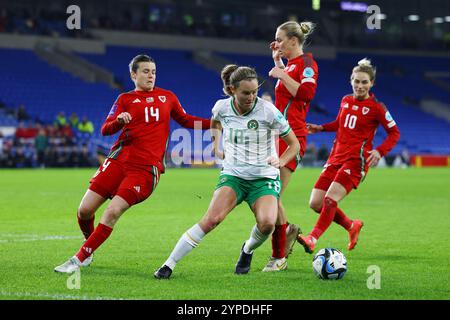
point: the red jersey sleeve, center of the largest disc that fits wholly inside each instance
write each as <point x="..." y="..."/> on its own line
<point x="393" y="134"/>
<point x="187" y="120"/>
<point x="308" y="81"/>
<point x="111" y="126"/>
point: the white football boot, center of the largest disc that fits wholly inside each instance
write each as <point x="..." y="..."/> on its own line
<point x="70" y="266"/>
<point x="275" y="265"/>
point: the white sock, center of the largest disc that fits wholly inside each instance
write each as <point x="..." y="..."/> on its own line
<point x="256" y="239"/>
<point x="188" y="241"/>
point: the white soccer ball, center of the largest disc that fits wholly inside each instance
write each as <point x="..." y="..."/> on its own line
<point x="329" y="263"/>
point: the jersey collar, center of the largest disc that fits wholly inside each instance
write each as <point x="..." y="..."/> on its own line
<point x="244" y="114"/>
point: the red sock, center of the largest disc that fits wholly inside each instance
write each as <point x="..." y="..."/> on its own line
<point x="279" y="241"/>
<point x="341" y="219"/>
<point x="326" y="217"/>
<point x="86" y="226"/>
<point x="100" y="234"/>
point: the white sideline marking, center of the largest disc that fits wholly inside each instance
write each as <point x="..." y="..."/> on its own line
<point x="53" y="296"/>
<point x="34" y="237"/>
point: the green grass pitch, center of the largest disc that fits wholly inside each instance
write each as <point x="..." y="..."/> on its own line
<point x="406" y="235"/>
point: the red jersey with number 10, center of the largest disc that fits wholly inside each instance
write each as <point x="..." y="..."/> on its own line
<point x="356" y="124"/>
<point x="143" y="141"/>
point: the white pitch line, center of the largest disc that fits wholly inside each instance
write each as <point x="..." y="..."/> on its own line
<point x="53" y="296"/>
<point x="40" y="238"/>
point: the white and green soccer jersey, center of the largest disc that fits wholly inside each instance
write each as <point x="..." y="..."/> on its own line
<point x="249" y="139"/>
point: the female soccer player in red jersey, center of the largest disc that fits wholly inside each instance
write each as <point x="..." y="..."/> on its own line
<point x="295" y="88"/>
<point x="352" y="154"/>
<point x="131" y="171"/>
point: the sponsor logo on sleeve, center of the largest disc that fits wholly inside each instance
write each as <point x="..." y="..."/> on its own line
<point x="308" y="72"/>
<point x="388" y="116"/>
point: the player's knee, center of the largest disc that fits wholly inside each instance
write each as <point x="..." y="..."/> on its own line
<point x="85" y="212"/>
<point x="315" y="205"/>
<point x="266" y="226"/>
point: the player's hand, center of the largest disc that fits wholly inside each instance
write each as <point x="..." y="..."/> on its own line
<point x="124" y="118"/>
<point x="276" y="73"/>
<point x="313" y="128"/>
<point x="276" y="54"/>
<point x="274" y="161"/>
<point x="373" y="158"/>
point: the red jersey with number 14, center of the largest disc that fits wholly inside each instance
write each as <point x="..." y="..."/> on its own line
<point x="143" y="141"/>
<point x="356" y="125"/>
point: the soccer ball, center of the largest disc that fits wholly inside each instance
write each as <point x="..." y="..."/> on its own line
<point x="329" y="263"/>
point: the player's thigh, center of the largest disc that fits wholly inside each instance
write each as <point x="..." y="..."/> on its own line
<point x="336" y="191"/>
<point x="222" y="203"/>
<point x="265" y="209"/>
<point x="285" y="177"/>
<point x="114" y="211"/>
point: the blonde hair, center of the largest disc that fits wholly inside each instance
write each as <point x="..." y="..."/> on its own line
<point x="365" y="65"/>
<point x="233" y="74"/>
<point x="299" y="30"/>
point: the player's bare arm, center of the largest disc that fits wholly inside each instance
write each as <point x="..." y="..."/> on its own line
<point x="290" y="84"/>
<point x="290" y="153"/>
<point x="216" y="134"/>
<point x="314" y="128"/>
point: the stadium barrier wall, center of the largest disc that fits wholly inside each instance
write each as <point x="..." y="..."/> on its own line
<point x="430" y="161"/>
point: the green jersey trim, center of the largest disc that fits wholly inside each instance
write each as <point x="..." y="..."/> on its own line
<point x="244" y="114"/>
<point x="286" y="132"/>
<point x="286" y="109"/>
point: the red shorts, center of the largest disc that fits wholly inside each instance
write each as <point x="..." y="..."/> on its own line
<point x="349" y="175"/>
<point x="133" y="184"/>
<point x="282" y="146"/>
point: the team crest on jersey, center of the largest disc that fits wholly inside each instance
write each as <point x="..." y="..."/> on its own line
<point x="253" y="125"/>
<point x="365" y="110"/>
<point x="149" y="100"/>
<point x="162" y="98"/>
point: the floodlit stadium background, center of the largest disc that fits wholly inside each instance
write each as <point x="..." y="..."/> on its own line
<point x="73" y="60"/>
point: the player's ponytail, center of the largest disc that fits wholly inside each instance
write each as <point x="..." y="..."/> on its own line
<point x="299" y="30"/>
<point x="225" y="75"/>
<point x="233" y="74"/>
<point x="365" y="65"/>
